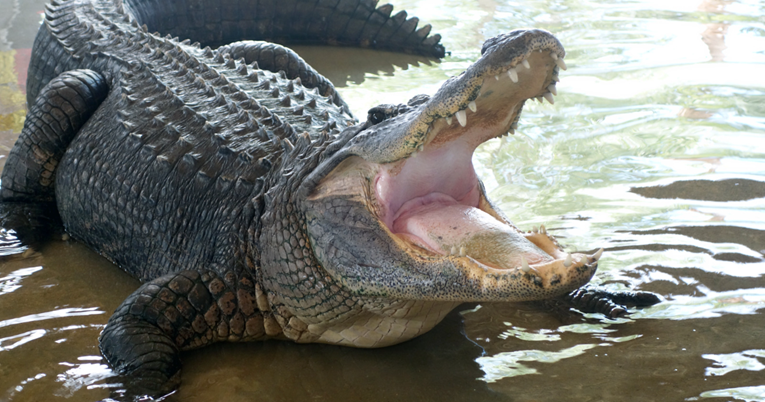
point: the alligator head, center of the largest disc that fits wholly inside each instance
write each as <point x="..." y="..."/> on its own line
<point x="398" y="213"/>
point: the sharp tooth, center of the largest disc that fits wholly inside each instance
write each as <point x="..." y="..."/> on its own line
<point x="554" y="55"/>
<point x="552" y="89"/>
<point x="496" y="77"/>
<point x="598" y="254"/>
<point x="549" y="97"/>
<point x="542" y="229"/>
<point x="513" y="74"/>
<point x="567" y="263"/>
<point x="514" y="126"/>
<point x="556" y="78"/>
<point x="472" y="106"/>
<point x="525" y="265"/>
<point x="449" y="120"/>
<point x="461" y="117"/>
<point x="526" y="64"/>
<point x="561" y="64"/>
<point x="453" y="251"/>
<point x="463" y="252"/>
<point x="511" y="131"/>
<point x="421" y="148"/>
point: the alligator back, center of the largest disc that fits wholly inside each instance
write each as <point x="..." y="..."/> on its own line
<point x="167" y="172"/>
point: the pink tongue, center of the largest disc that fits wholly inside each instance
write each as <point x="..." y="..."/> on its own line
<point x="439" y="223"/>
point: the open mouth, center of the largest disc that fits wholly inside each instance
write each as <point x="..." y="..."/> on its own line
<point x="432" y="200"/>
<point x="411" y="175"/>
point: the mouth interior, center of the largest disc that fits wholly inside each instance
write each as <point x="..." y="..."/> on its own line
<point x="433" y="198"/>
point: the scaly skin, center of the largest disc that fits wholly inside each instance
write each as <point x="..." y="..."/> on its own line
<point x="236" y="184"/>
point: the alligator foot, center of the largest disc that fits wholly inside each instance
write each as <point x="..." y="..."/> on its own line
<point x="590" y="299"/>
<point x="176" y="312"/>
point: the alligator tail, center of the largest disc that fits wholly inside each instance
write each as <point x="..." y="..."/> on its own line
<point x="313" y="22"/>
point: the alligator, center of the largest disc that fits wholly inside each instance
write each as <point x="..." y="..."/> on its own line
<point x="236" y="184"/>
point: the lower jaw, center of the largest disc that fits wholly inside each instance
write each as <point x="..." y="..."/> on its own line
<point x="446" y="227"/>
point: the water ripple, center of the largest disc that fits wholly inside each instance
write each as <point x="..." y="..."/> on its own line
<point x="22" y="339"/>
<point x="508" y="364"/>
<point x="725" y="363"/>
<point x="12" y="281"/>
<point x="48" y="315"/>
<point x="747" y="394"/>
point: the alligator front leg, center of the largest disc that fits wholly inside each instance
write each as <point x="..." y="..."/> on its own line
<point x="176" y="312"/>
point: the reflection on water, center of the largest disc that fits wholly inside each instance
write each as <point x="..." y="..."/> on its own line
<point x="653" y="150"/>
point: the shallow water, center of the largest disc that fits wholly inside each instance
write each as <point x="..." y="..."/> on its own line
<point x="654" y="150"/>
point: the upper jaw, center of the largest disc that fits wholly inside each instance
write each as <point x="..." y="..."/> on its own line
<point x="490" y="92"/>
<point x="489" y="95"/>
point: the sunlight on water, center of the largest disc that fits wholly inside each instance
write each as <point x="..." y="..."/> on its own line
<point x="11" y="342"/>
<point x="12" y="281"/>
<point x="746" y="360"/>
<point x="507" y="364"/>
<point x="60" y="313"/>
<point x="747" y="394"/>
<point x="79" y="375"/>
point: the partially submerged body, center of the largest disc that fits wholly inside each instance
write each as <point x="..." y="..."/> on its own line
<point x="250" y="201"/>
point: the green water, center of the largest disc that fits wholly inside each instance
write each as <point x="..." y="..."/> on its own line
<point x="657" y="93"/>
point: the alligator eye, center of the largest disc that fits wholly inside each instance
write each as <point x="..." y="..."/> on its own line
<point x="376" y="117"/>
<point x="380" y="113"/>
